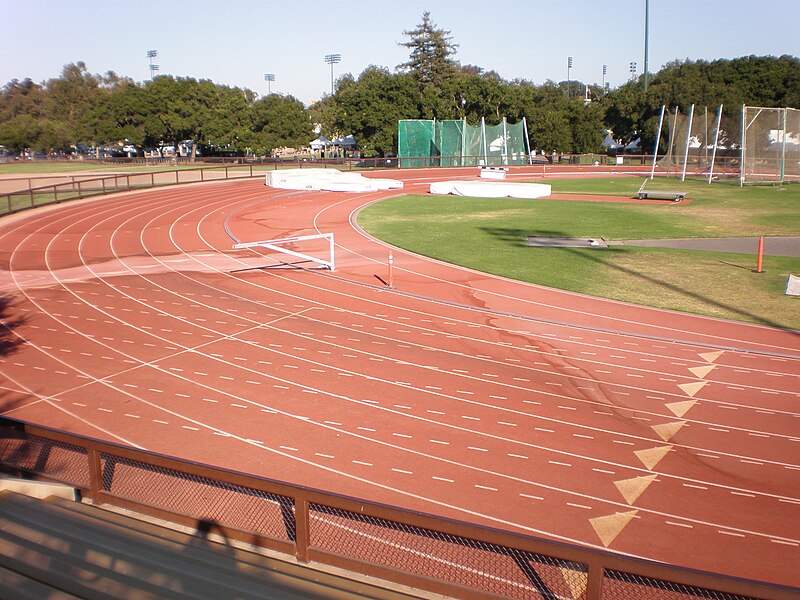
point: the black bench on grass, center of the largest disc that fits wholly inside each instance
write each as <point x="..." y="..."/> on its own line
<point x="659" y="194"/>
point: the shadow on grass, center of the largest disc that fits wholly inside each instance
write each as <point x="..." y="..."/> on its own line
<point x="514" y="235"/>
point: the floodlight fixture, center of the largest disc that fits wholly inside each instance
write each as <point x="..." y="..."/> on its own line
<point x="269" y="78"/>
<point x="332" y="59"/>
<point x="151" y="54"/>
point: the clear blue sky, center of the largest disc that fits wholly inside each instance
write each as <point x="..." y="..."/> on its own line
<point x="235" y="42"/>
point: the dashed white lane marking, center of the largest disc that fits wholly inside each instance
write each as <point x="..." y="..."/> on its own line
<point x="531" y="497"/>
<point x="731" y="533"/>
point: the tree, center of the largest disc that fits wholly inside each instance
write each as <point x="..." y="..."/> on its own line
<point x="25" y="131"/>
<point x="370" y="107"/>
<point x="22" y="98"/>
<point x="431" y="49"/>
<point x="278" y="121"/>
<point x="71" y="99"/>
<point x="120" y="115"/>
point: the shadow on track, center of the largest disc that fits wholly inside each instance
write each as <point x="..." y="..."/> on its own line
<point x="9" y="343"/>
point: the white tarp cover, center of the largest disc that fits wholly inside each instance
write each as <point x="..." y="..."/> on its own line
<point x="331" y="180"/>
<point x="491" y="189"/>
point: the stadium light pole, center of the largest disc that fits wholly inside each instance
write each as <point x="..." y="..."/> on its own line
<point x="605" y="70"/>
<point x="151" y="54"/>
<point x="269" y="78"/>
<point x="646" y="38"/>
<point x="332" y="59"/>
<point x="569" y="81"/>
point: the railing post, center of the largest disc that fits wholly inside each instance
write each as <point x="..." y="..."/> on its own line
<point x="95" y="477"/>
<point x="301" y="528"/>
<point x="594" y="583"/>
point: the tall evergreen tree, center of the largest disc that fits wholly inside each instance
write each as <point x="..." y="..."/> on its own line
<point x="430" y="62"/>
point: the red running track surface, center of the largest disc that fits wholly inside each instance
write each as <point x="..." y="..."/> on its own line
<point x="651" y="433"/>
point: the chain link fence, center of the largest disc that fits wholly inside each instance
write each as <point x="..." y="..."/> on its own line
<point x="444" y="556"/>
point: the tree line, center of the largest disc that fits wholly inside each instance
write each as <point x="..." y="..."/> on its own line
<point x="83" y="109"/>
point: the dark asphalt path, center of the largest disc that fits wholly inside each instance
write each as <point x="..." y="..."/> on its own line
<point x="773" y="246"/>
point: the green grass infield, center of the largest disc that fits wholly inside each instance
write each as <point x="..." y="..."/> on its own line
<point x="490" y="235"/>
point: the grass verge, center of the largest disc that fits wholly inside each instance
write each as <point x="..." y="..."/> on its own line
<point x="490" y="235"/>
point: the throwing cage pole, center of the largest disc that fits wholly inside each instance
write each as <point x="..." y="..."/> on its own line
<point x="276" y="246"/>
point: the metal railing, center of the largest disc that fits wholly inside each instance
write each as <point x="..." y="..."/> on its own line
<point x="77" y="188"/>
<point x="72" y="187"/>
<point x="426" y="552"/>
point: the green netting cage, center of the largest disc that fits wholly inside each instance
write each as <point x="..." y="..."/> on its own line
<point x="415" y="142"/>
<point x="455" y="143"/>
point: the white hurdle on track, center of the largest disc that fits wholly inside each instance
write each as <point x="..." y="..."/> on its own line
<point x="275" y="245"/>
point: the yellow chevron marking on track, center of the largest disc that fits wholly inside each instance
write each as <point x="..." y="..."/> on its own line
<point x="711" y="356"/>
<point x="681" y="408"/>
<point x="701" y="372"/>
<point x="652" y="456"/>
<point x="631" y="489"/>
<point x="609" y="527"/>
<point x="690" y="389"/>
<point x="667" y="430"/>
<point x="576" y="581"/>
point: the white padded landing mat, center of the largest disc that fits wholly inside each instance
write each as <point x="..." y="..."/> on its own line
<point x="331" y="180"/>
<point x="491" y="189"/>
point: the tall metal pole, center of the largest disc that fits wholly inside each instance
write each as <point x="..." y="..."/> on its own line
<point x="658" y="139"/>
<point x="269" y="78"/>
<point x="605" y="69"/>
<point x="505" y="143"/>
<point x="743" y="157"/>
<point x="483" y="141"/>
<point x="151" y="54"/>
<point x="646" y="39"/>
<point x="688" y="138"/>
<point x="332" y="59"/>
<point x="716" y="142"/>
<point x="783" y="146"/>
<point x="527" y="141"/>
<point x="569" y="81"/>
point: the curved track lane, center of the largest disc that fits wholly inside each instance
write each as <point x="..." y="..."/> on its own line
<point x="652" y="433"/>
